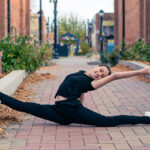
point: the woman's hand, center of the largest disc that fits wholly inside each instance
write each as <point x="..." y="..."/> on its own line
<point x="145" y="71"/>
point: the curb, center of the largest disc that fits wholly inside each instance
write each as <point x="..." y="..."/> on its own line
<point x="134" y="65"/>
<point x="12" y="81"/>
<point x="93" y="62"/>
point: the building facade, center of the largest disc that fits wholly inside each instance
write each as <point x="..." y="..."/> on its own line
<point x="108" y="30"/>
<point x="137" y="21"/>
<point x="18" y="22"/>
<point x="44" y="28"/>
<point x="34" y="27"/>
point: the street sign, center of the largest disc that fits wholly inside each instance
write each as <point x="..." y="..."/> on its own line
<point x="101" y="38"/>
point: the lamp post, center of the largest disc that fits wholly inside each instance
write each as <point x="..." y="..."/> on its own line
<point x="8" y="9"/>
<point x="47" y="24"/>
<point x="90" y="32"/>
<point x="40" y="23"/>
<point x="101" y="14"/>
<point x="123" y="25"/>
<point x="55" y="54"/>
<point x="84" y="26"/>
<point x="77" y="41"/>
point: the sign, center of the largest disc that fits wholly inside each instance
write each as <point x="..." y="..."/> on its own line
<point x="101" y="38"/>
<point x="68" y="37"/>
<point x="110" y="46"/>
<point x="108" y="23"/>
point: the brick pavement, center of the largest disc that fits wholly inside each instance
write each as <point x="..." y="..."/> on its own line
<point x="126" y="96"/>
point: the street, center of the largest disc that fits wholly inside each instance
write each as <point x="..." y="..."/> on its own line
<point x="122" y="97"/>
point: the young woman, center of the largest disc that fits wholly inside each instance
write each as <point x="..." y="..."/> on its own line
<point x="69" y="108"/>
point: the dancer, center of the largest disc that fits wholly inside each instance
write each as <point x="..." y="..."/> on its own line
<point x="69" y="108"/>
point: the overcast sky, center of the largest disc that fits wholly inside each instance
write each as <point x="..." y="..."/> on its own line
<point x="82" y="8"/>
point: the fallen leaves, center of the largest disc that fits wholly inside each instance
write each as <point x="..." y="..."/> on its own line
<point x="36" y="77"/>
<point x="121" y="68"/>
<point x="1" y="130"/>
<point x="52" y="67"/>
<point x="2" y="75"/>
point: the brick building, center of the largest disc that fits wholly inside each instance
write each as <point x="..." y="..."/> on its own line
<point x="19" y="17"/>
<point x="108" y="29"/>
<point x="44" y="28"/>
<point x="34" y="27"/>
<point x="137" y="21"/>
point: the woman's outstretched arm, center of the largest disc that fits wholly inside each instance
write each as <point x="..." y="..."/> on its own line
<point x="119" y="75"/>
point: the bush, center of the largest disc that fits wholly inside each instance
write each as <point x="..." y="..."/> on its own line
<point x="112" y="57"/>
<point x="45" y="52"/>
<point x="85" y="48"/>
<point x="20" y="53"/>
<point x="138" y="51"/>
<point x="148" y="56"/>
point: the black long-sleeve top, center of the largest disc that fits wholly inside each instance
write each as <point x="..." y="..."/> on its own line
<point x="74" y="85"/>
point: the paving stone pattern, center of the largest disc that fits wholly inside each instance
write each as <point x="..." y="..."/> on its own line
<point x="126" y="96"/>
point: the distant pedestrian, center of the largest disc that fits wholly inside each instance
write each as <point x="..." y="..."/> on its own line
<point x="69" y="108"/>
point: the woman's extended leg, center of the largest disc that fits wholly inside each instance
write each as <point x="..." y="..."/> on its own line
<point x="43" y="111"/>
<point x="86" y="116"/>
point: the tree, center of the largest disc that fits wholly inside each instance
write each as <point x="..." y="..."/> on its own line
<point x="73" y="25"/>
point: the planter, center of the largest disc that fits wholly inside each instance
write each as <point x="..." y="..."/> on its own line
<point x="12" y="81"/>
<point x="114" y="61"/>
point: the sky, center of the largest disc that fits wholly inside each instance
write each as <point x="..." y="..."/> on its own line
<point x="84" y="9"/>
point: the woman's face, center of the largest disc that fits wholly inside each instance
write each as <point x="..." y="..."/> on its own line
<point x="99" y="72"/>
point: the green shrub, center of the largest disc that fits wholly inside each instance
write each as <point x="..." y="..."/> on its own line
<point x="148" y="56"/>
<point x="85" y="48"/>
<point x="112" y="57"/>
<point x="20" y="53"/>
<point x="138" y="51"/>
<point x="45" y="52"/>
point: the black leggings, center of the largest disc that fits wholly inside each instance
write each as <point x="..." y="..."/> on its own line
<point x="71" y="111"/>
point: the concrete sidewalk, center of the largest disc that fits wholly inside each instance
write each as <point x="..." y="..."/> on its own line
<point x="126" y="96"/>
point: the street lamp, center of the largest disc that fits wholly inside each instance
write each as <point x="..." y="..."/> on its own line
<point x="8" y="9"/>
<point x="123" y="26"/>
<point x="40" y="23"/>
<point x="55" y="55"/>
<point x="47" y="24"/>
<point x="84" y="26"/>
<point x="77" y="41"/>
<point x="90" y="33"/>
<point x="101" y="14"/>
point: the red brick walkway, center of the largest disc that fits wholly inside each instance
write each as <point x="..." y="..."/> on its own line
<point x="126" y="96"/>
